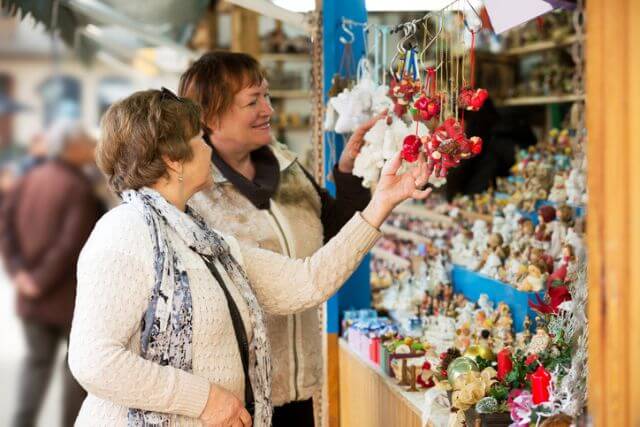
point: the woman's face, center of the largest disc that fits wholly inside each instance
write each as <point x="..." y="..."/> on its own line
<point x="247" y="123"/>
<point x="197" y="171"/>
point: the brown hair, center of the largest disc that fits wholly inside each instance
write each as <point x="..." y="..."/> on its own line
<point x="138" y="130"/>
<point x="214" y="79"/>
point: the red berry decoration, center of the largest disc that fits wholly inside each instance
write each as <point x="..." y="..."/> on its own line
<point x="411" y="148"/>
<point x="476" y="145"/>
<point x="464" y="98"/>
<point x="472" y="99"/>
<point x="448" y="146"/>
<point x="478" y="99"/>
<point x="433" y="108"/>
<point x="402" y="92"/>
<point x="425" y="108"/>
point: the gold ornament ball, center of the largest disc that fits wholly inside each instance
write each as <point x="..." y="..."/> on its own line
<point x="479" y="350"/>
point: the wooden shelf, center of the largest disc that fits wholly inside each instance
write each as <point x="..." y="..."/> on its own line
<point x="472" y="216"/>
<point x="541" y="46"/>
<point x="286" y="57"/>
<point x="394" y="259"/>
<point x="404" y="234"/>
<point x="421" y="212"/>
<point x="291" y="94"/>
<point x="539" y="100"/>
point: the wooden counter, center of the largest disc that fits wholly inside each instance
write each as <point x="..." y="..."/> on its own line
<point x="369" y="398"/>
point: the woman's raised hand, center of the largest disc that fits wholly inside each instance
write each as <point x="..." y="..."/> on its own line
<point x="394" y="188"/>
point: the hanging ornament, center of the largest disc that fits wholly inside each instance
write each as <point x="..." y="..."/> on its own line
<point x="470" y="98"/>
<point x="449" y="145"/>
<point x="427" y="106"/>
<point x="402" y="93"/>
<point x="411" y="148"/>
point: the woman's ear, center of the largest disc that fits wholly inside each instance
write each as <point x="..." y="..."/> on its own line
<point x="213" y="125"/>
<point x="174" y="167"/>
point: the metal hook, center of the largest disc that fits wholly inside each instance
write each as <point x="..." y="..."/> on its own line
<point x="434" y="38"/>
<point x="477" y="15"/>
<point x="400" y="50"/>
<point x="346" y="29"/>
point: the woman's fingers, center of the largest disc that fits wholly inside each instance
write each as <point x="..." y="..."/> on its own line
<point x="245" y="417"/>
<point x="421" y="194"/>
<point x="392" y="165"/>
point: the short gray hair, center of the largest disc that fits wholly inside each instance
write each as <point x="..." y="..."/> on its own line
<point x="60" y="133"/>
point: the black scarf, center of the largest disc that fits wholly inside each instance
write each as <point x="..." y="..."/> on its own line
<point x="264" y="184"/>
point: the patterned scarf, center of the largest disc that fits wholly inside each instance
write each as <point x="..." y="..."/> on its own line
<point x="167" y="324"/>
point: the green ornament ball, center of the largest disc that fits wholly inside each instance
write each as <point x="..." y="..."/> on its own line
<point x="460" y="366"/>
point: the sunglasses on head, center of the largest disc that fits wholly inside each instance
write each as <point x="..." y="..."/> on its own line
<point x="166" y="94"/>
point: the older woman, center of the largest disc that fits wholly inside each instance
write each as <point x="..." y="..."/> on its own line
<point x="264" y="198"/>
<point x="168" y="327"/>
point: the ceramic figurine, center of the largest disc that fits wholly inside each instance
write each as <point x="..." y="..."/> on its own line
<point x="546" y="214"/>
<point x="576" y="187"/>
<point x="559" y="229"/>
<point x="535" y="279"/>
<point x="539" y="342"/>
<point x="524" y="236"/>
<point x="560" y="273"/>
<point x="558" y="192"/>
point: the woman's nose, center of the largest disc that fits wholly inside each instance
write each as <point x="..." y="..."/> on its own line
<point x="267" y="108"/>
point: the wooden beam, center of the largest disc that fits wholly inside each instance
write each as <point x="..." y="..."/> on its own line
<point x="244" y="31"/>
<point x="614" y="199"/>
<point x="267" y="8"/>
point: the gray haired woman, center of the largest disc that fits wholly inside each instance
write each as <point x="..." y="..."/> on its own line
<point x="168" y="327"/>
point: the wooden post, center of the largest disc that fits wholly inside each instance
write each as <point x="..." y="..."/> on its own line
<point x="244" y="31"/>
<point x="613" y="124"/>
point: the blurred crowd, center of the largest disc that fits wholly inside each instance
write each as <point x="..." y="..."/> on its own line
<point x="50" y="199"/>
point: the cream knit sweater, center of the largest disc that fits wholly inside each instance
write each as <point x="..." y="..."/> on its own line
<point x="115" y="277"/>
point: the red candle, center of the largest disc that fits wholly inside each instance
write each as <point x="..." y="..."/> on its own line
<point x="540" y="380"/>
<point x="374" y="350"/>
<point x="505" y="364"/>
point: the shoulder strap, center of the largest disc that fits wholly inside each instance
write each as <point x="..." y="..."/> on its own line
<point x="240" y="332"/>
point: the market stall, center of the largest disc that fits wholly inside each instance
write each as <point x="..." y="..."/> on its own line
<point x="478" y="303"/>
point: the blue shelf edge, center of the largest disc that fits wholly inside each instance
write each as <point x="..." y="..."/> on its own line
<point x="473" y="284"/>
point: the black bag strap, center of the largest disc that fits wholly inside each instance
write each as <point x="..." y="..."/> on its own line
<point x="240" y="332"/>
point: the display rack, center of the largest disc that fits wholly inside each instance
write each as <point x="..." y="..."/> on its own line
<point x="394" y="259"/>
<point x="540" y="46"/>
<point x="539" y="100"/>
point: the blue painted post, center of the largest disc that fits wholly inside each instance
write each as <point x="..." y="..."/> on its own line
<point x="356" y="293"/>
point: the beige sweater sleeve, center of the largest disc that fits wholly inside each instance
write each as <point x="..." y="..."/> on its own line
<point x="115" y="275"/>
<point x="284" y="285"/>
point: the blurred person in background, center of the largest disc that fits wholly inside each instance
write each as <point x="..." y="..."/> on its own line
<point x="45" y="220"/>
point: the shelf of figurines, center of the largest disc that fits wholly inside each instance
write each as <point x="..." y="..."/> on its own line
<point x="465" y="363"/>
